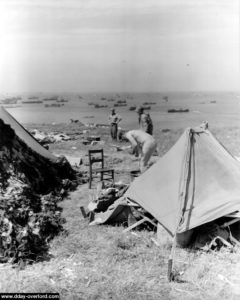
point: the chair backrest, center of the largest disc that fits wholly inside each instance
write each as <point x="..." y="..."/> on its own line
<point x="96" y="156"/>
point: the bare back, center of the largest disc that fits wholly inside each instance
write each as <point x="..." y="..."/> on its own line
<point x="139" y="136"/>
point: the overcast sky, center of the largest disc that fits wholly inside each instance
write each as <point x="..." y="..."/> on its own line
<point x="119" y="45"/>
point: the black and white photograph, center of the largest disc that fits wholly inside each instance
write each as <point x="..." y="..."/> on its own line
<point x="120" y="149"/>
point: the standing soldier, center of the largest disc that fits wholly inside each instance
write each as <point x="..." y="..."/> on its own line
<point x="114" y="119"/>
<point x="145" y="121"/>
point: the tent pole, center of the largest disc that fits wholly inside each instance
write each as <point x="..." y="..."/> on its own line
<point x="181" y="195"/>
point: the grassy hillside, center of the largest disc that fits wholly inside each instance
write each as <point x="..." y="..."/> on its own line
<point x="100" y="262"/>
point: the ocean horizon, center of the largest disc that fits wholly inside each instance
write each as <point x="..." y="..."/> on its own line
<point x="220" y="109"/>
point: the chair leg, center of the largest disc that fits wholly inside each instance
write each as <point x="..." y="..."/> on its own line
<point x="102" y="177"/>
<point x="90" y="181"/>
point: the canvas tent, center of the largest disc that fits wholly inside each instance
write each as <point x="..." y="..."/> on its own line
<point x="195" y="182"/>
<point x="22" y="155"/>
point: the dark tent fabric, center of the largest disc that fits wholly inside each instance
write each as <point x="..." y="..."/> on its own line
<point x="195" y="182"/>
<point x="24" y="135"/>
<point x="22" y="156"/>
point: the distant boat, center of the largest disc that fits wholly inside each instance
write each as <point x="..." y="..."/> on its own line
<point x="149" y="103"/>
<point x="54" y="105"/>
<point x="132" y="108"/>
<point x="102" y="125"/>
<point x="54" y="98"/>
<point x="100" y="106"/>
<point x="33" y="98"/>
<point x="62" y="100"/>
<point x="178" y="110"/>
<point x="32" y="102"/>
<point x="120" y="104"/>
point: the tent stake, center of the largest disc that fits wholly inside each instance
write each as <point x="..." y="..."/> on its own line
<point x="170" y="259"/>
<point x="170" y="268"/>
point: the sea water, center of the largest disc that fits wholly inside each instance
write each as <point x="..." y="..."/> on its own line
<point x="219" y="109"/>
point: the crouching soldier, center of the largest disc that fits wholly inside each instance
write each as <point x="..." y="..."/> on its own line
<point x="142" y="143"/>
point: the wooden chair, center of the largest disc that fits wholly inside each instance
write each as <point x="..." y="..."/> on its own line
<point x="97" y="157"/>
